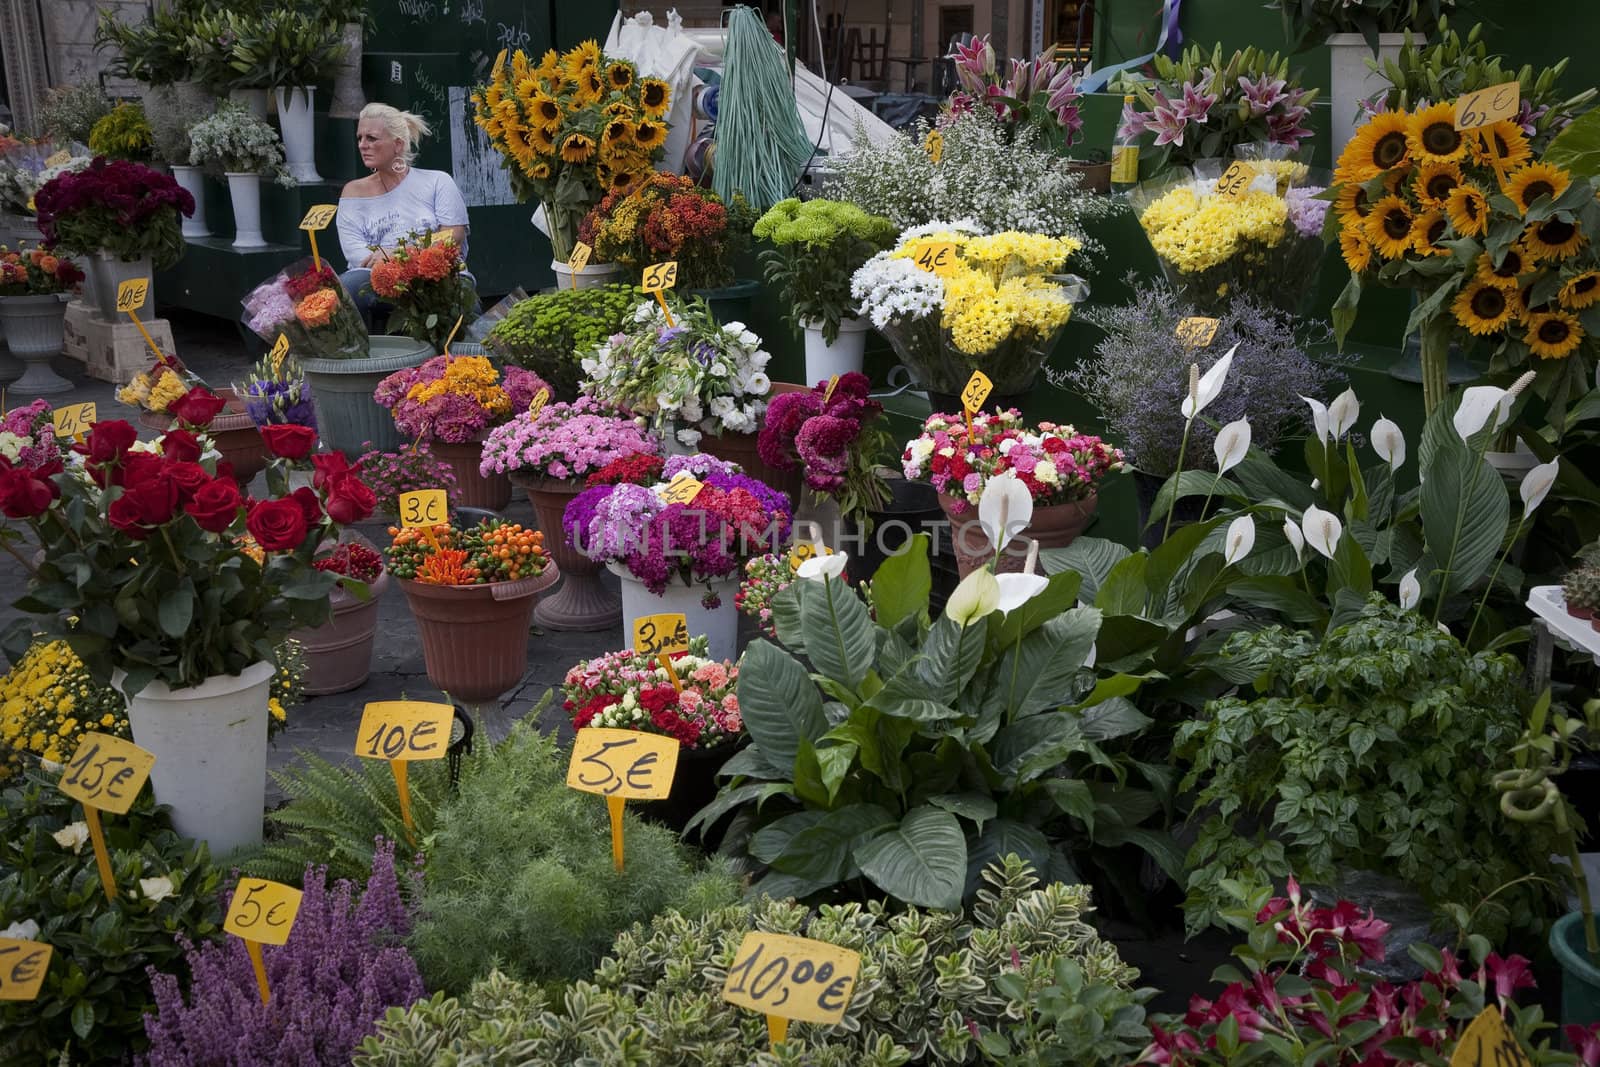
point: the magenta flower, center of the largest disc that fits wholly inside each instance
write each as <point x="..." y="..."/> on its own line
<point x="1166" y="121"/>
<point x="1263" y="93"/>
<point x="1196" y="103"/>
<point x="1508" y="975"/>
<point x="1585" y="1042"/>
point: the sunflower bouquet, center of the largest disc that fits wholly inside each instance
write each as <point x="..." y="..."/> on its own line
<point x="572" y="128"/>
<point x="1499" y="244"/>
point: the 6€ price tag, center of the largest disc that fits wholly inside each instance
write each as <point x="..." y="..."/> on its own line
<point x="792" y="977"/>
<point x="1196" y="331"/>
<point x="580" y="258"/>
<point x="682" y="489"/>
<point x="424" y="507"/>
<point x="936" y="257"/>
<point x="540" y="399"/>
<point x="630" y="764"/>
<point x="132" y="293"/>
<point x="106" y="773"/>
<point x="405" y="730"/>
<point x="659" y="276"/>
<point x="262" y="911"/>
<point x="22" y="968"/>
<point x="72" y="420"/>
<point x="1487" y="106"/>
<point x="976" y="391"/>
<point x="319" y="217"/>
<point x="1487" y="1043"/>
<point x="1235" y="181"/>
<point x="655" y="634"/>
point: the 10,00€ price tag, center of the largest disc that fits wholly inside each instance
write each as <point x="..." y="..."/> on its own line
<point x="22" y="968"/>
<point x="262" y="911"/>
<point x="424" y="507"/>
<point x="405" y="730"/>
<point x="792" y="977"/>
<point x="132" y="294"/>
<point x="655" y="634"/>
<point x="629" y="764"/>
<point x="107" y="773"/>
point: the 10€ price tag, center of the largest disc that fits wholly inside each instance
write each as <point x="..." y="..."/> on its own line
<point x="936" y="257"/>
<point x="682" y="489"/>
<point x="788" y="978"/>
<point x="404" y="730"/>
<point x="424" y="507"/>
<point x="71" y="420"/>
<point x="1488" y="1043"/>
<point x="132" y="294"/>
<point x="540" y="399"/>
<point x="630" y="764"/>
<point x="1487" y="106"/>
<point x="319" y="217"/>
<point x="659" y="276"/>
<point x="22" y="968"/>
<point x="1235" y="181"/>
<point x="976" y="391"/>
<point x="1196" y="331"/>
<point x="664" y="633"/>
<point x="107" y="773"/>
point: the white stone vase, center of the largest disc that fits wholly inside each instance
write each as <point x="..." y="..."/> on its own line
<point x="193" y="181"/>
<point x="823" y="360"/>
<point x="1351" y="81"/>
<point x="245" y="189"/>
<point x="720" y="625"/>
<point x="297" y="118"/>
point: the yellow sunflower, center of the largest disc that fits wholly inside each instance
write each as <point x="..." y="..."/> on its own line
<point x="1435" y="181"/>
<point x="619" y="180"/>
<point x="1554" y="238"/>
<point x="577" y="148"/>
<point x="619" y="109"/>
<point x="1432" y="135"/>
<point x="1353" y="206"/>
<point x="649" y="135"/>
<point x="1509" y="142"/>
<point x="1377" y="146"/>
<point x="1395" y="180"/>
<point x="541" y="140"/>
<point x="1527" y="184"/>
<point x="1514" y="263"/>
<point x="519" y="65"/>
<point x="619" y="75"/>
<point x="591" y="86"/>
<point x="617" y="134"/>
<point x="585" y="56"/>
<point x="1389" y="227"/>
<point x="1553" y="334"/>
<point x="1483" y="309"/>
<point x="549" y="65"/>
<point x="655" y="97"/>
<point x="1468" y="209"/>
<point x="1357" y="252"/>
<point x="545" y="110"/>
<point x="1427" y="231"/>
<point x="540" y="170"/>
<point x="1582" y="291"/>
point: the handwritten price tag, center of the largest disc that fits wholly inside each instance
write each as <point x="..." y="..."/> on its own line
<point x="804" y="551"/>
<point x="629" y="764"/>
<point x="1487" y="106"/>
<point x="833" y="383"/>
<point x="319" y="217"/>
<point x="659" y="276"/>
<point x="262" y="911"/>
<point x="404" y="730"/>
<point x="22" y="968"/>
<point x="1487" y="1041"/>
<point x="107" y="773"/>
<point x="72" y="420"/>
<point x="132" y="294"/>
<point x="682" y="489"/>
<point x="792" y="978"/>
<point x="1196" y="331"/>
<point x="976" y="391"/>
<point x="655" y="634"/>
<point x="424" y="507"/>
<point x="540" y="399"/>
<point x="1235" y="181"/>
<point x="280" y="348"/>
<point x="580" y="258"/>
<point x="936" y="257"/>
<point x="55" y="159"/>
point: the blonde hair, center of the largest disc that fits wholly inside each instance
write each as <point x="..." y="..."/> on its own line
<point x="401" y="125"/>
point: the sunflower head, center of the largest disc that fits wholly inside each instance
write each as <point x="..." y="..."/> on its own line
<point x="1527" y="184"/>
<point x="619" y="75"/>
<point x="1357" y="252"/>
<point x="1554" y="238"/>
<point x="542" y="140"/>
<point x="577" y="148"/>
<point x="1582" y="291"/>
<point x="1435" y="181"/>
<point x="1483" y="309"/>
<point x="1427" y="231"/>
<point x="1515" y="261"/>
<point x="1553" y="334"/>
<point x="1378" y="145"/>
<point x="618" y="132"/>
<point x="549" y="66"/>
<point x="585" y="56"/>
<point x="649" y="135"/>
<point x="545" y="110"/>
<point x="1506" y="141"/>
<point x="1468" y="210"/>
<point x="1433" y="137"/>
<point x="655" y="96"/>
<point x="1388" y="227"/>
<point x="540" y="170"/>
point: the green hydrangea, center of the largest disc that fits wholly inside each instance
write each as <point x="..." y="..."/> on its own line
<point x="822" y="222"/>
<point x="550" y="333"/>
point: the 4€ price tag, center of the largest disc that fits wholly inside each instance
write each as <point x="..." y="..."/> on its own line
<point x="936" y="257"/>
<point x="1488" y="1043"/>
<point x="786" y="978"/>
<point x="424" y="507"/>
<point x="682" y="489"/>
<point x="22" y="968"/>
<point x="73" y="420"/>
<point x="1235" y="181"/>
<point x="655" y="634"/>
<point x="579" y="258"/>
<point x="280" y="349"/>
<point x="659" y="276"/>
<point x="319" y="217"/>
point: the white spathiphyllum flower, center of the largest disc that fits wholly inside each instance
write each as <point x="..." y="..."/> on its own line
<point x="976" y="596"/>
<point x="1240" y="540"/>
<point x="823" y="565"/>
<point x="1005" y="509"/>
<point x="1296" y="539"/>
<point x="1233" y="441"/>
<point x="72" y="836"/>
<point x="1017" y="589"/>
<point x="154" y="889"/>
<point x="1480" y="403"/>
<point x="1210" y="386"/>
<point x="1410" y="590"/>
<point x="1388" y="442"/>
<point x="1322" y="529"/>
<point x="1536" y="485"/>
<point x="26" y="930"/>
<point x="1342" y="414"/>
<point x="1319" y="418"/>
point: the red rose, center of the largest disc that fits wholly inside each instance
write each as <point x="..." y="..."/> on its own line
<point x="137" y="468"/>
<point x="155" y="499"/>
<point x="310" y="506"/>
<point x="289" y="441"/>
<point x="24" y="494"/>
<point x="328" y="464"/>
<point x="197" y="407"/>
<point x="180" y="446"/>
<point x="225" y="469"/>
<point x="189" y="477"/>
<point x="124" y="515"/>
<point x="108" y="441"/>
<point x="349" y="498"/>
<point x="216" y="505"/>
<point x="277" y="525"/>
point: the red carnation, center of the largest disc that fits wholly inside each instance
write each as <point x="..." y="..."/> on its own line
<point x="289" y="441"/>
<point x="658" y="698"/>
<point x="197" y="407"/>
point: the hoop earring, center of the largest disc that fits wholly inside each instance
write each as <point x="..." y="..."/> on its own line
<point x="400" y="166"/>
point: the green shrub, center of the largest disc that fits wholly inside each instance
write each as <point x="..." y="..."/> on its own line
<point x="550" y="333"/>
<point x="69" y="112"/>
<point x="519" y="873"/>
<point x="934" y="987"/>
<point x="123" y="134"/>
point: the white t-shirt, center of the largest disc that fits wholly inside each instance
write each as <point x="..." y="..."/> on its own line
<point x="425" y="201"/>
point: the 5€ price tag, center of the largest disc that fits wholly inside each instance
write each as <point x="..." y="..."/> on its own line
<point x="132" y="294"/>
<point x="792" y="977"/>
<point x="630" y="764"/>
<point x="262" y="911"/>
<point x="22" y="968"/>
<point x="1235" y="181"/>
<point x="405" y="730"/>
<point x="936" y="257"/>
<point x="540" y="399"/>
<point x="106" y="773"/>
<point x="1487" y="106"/>
<point x="976" y="391"/>
<point x="655" y="634"/>
<point x="319" y="217"/>
<point x="659" y="276"/>
<point x="424" y="507"/>
<point x="580" y="258"/>
<point x="71" y="420"/>
<point x="1196" y="331"/>
<point x="1487" y="1041"/>
<point x="682" y="489"/>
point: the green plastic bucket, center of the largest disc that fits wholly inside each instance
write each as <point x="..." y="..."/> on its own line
<point x="347" y="416"/>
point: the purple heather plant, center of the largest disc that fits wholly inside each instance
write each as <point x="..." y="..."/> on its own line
<point x="343" y="966"/>
<point x="564" y="441"/>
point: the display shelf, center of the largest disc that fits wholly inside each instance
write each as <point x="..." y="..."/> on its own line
<point x="1547" y="602"/>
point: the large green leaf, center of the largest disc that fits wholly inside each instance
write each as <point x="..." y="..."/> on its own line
<point x="1006" y="837"/>
<point x="769" y="842"/>
<point x="729" y="799"/>
<point x="1091" y="558"/>
<point x="901" y="585"/>
<point x="1264" y="480"/>
<point x="950" y="656"/>
<point x="1060" y="594"/>
<point x="839" y="632"/>
<point x="1189" y="483"/>
<point x="923" y="861"/>
<point x="1123" y="590"/>
<point x="176" y="610"/>
<point x="1113" y="718"/>
<point x="1037" y="743"/>
<point x="975" y="806"/>
<point x="880" y="740"/>
<point x="778" y="701"/>
<point x="821" y="850"/>
<point x="909" y="695"/>
<point x="1464" y="515"/>
<point x="1039" y="673"/>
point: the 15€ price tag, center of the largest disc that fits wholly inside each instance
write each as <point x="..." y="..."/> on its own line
<point x="72" y="420"/>
<point x="1486" y="106"/>
<point x="1488" y="1043"/>
<point x="540" y="399"/>
<point x="404" y="730"/>
<point x="1196" y="331"/>
<point x="682" y="489"/>
<point x="655" y="634"/>
<point x="22" y="968"/>
<point x="936" y="257"/>
<point x="319" y="217"/>
<point x="132" y="294"/>
<point x="792" y="978"/>
<point x="424" y="507"/>
<point x="630" y="764"/>
<point x="262" y="911"/>
<point x="976" y="391"/>
<point x="580" y="257"/>
<point x="1235" y="181"/>
<point x="659" y="276"/>
<point x="106" y="773"/>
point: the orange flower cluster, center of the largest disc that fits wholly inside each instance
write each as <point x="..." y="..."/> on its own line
<point x="36" y="273"/>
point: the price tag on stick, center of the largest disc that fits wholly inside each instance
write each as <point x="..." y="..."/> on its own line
<point x="1485" y="107"/>
<point x="1196" y="331"/>
<point x="973" y="394"/>
<point x="424" y="508"/>
<point x="401" y="731"/>
<point x="788" y="978"/>
<point x="131" y="296"/>
<point x="579" y="260"/>
<point x="661" y="636"/>
<point x="280" y="348"/>
<point x="105" y="774"/>
<point x="317" y="219"/>
<point x="261" y="913"/>
<point x="540" y="399"/>
<point x="1235" y="181"/>
<point x="73" y="420"/>
<point x="55" y="159"/>
<point x="1488" y="1041"/>
<point x="22" y="968"/>
<point x="622" y="765"/>
<point x="659" y="276"/>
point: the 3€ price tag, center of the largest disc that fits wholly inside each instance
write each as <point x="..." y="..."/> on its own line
<point x="424" y="507"/>
<point x="540" y="399"/>
<point x="405" y="730"/>
<point x="659" y="276"/>
<point x="804" y="551"/>
<point x="682" y="489"/>
<point x="629" y="764"/>
<point x="106" y="773"/>
<point x="132" y="294"/>
<point x="1486" y="106"/>
<point x="1235" y="181"/>
<point x="580" y="258"/>
<point x="262" y="911"/>
<point x="976" y="391"/>
<point x="22" y="968"/>
<point x="1196" y="331"/>
<point x="792" y="977"/>
<point x="655" y="634"/>
<point x="280" y="348"/>
<point x="936" y="257"/>
<point x="1488" y="1043"/>
<point x="319" y="217"/>
<point x="71" y="420"/>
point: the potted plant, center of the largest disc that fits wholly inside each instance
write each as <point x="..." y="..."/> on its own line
<point x="25" y="167"/>
<point x="413" y="466"/>
<point x="77" y="216"/>
<point x="125" y="133"/>
<point x="426" y="281"/>
<point x="288" y="51"/>
<point x="244" y="149"/>
<point x="452" y="402"/>
<point x="817" y="246"/>
<point x="550" y="455"/>
<point x="153" y="52"/>
<point x="35" y="286"/>
<point x="550" y="333"/>
<point x="354" y="19"/>
<point x="1043" y="95"/>
<point x="572" y="128"/>
<point x="679" y="557"/>
<point x="472" y="593"/>
<point x="171" y="118"/>
<point x="1580" y="589"/>
<point x="830" y="440"/>
<point x="339" y="652"/>
<point x="668" y="217"/>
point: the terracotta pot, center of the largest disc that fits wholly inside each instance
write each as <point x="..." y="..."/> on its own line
<point x="473" y="490"/>
<point x="583" y="602"/>
<point x="1096" y="174"/>
<point x="475" y="637"/>
<point x="1053" y="526"/>
<point x="1580" y="613"/>
<point x="234" y="434"/>
<point x="339" y="652"/>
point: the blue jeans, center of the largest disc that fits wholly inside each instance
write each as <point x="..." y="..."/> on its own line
<point x="358" y="281"/>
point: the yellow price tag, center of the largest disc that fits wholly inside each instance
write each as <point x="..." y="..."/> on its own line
<point x="424" y="507"/>
<point x="655" y="634"/>
<point x="55" y="159"/>
<point x="682" y="489"/>
<point x="1488" y="1041"/>
<point x="73" y="420"/>
<point x="540" y="399"/>
<point x="404" y="730"/>
<point x="106" y="773"/>
<point x="132" y="294"/>
<point x="262" y="911"/>
<point x="319" y="217"/>
<point x="804" y="551"/>
<point x="1196" y="331"/>
<point x="786" y="978"/>
<point x="659" y="276"/>
<point x="628" y="764"/>
<point x="933" y="144"/>
<point x="280" y="348"/>
<point x="22" y="968"/>
<point x="936" y="257"/>
<point x="580" y="258"/>
<point x="1235" y="181"/>
<point x="976" y="391"/>
<point x="1487" y="106"/>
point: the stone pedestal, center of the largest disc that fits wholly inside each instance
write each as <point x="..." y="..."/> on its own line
<point x="111" y="351"/>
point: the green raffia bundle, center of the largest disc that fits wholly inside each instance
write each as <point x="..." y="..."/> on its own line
<point x="761" y="143"/>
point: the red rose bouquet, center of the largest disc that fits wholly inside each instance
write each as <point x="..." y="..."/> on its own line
<point x="669" y="217"/>
<point x="628" y="690"/>
<point x="36" y="273"/>
<point x="307" y="304"/>
<point x="426" y="281"/>
<point x="833" y="435"/>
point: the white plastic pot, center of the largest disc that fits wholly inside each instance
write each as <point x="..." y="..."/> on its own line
<point x="245" y="189"/>
<point x="591" y="277"/>
<point x="296" y="117"/>
<point x="823" y="360"/>
<point x="1350" y="80"/>
<point x="720" y="624"/>
<point x="210" y="744"/>
<point x="193" y="181"/>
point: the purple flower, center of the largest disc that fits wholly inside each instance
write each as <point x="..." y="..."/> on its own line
<point x="1263" y="93"/>
<point x="1196" y="104"/>
<point x="1306" y="211"/>
<point x="1166" y="121"/>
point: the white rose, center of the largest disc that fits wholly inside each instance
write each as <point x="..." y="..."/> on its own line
<point x="155" y="889"/>
<point x="748" y="339"/>
<point x="719" y="369"/>
<point x="72" y="836"/>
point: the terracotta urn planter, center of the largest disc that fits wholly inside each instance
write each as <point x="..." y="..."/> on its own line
<point x="474" y="490"/>
<point x="584" y="602"/>
<point x="234" y="434"/>
<point x="1053" y="526"/>
<point x="475" y="637"/>
<point x="339" y="652"/>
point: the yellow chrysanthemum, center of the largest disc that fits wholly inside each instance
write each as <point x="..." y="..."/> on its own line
<point x="1194" y="234"/>
<point x="1553" y="334"/>
<point x="1432" y="137"/>
<point x="1435" y="181"/>
<point x="1355" y="249"/>
<point x="1379" y="144"/>
<point x="1527" y="184"/>
<point x="1554" y="238"/>
<point x="1483" y="309"/>
<point x="655" y="97"/>
<point x="1388" y="227"/>
<point x="1582" y="291"/>
<point x="1509" y="144"/>
<point x="1468" y="210"/>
